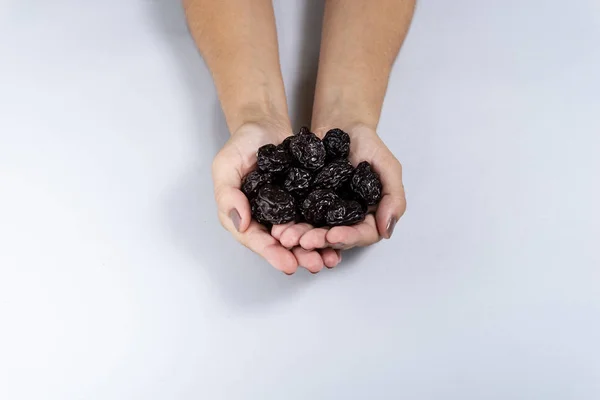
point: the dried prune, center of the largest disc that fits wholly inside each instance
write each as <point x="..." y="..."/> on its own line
<point x="273" y="205"/>
<point x="304" y="130"/>
<point x="271" y="158"/>
<point x="345" y="193"/>
<point x="286" y="143"/>
<point x="316" y="204"/>
<point x="334" y="174"/>
<point x="337" y="144"/>
<point x="308" y="150"/>
<point x="253" y="182"/>
<point x="297" y="181"/>
<point x="308" y="179"/>
<point x="345" y="212"/>
<point x="366" y="184"/>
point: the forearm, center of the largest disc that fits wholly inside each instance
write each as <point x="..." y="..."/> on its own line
<point x="360" y="41"/>
<point x="238" y="41"/>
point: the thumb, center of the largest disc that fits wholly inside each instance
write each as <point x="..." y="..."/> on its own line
<point x="233" y="206"/>
<point x="393" y="201"/>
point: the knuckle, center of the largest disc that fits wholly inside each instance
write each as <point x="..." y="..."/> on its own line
<point x="221" y="197"/>
<point x="217" y="163"/>
<point x="402" y="207"/>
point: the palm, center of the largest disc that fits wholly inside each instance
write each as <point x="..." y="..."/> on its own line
<point x="232" y="163"/>
<point x="366" y="146"/>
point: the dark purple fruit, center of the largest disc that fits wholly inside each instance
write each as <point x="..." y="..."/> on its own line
<point x="271" y="158"/>
<point x="273" y="205"/>
<point x="345" y="212"/>
<point x="308" y="150"/>
<point x="253" y="182"/>
<point x="304" y="131"/>
<point x="315" y="206"/>
<point x="297" y="181"/>
<point x="366" y="184"/>
<point x="337" y="144"/>
<point x="286" y="143"/>
<point x="334" y="175"/>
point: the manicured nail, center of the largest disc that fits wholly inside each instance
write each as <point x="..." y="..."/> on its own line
<point x="235" y="218"/>
<point x="390" y="226"/>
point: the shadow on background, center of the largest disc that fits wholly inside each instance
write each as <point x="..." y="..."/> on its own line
<point x="243" y="279"/>
<point x="303" y="94"/>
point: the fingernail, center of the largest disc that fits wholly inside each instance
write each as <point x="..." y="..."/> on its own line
<point x="390" y="226"/>
<point x="288" y="274"/>
<point x="235" y="218"/>
<point x="314" y="273"/>
<point x="338" y="246"/>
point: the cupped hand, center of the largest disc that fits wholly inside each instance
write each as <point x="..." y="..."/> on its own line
<point x="236" y="159"/>
<point x="366" y="145"/>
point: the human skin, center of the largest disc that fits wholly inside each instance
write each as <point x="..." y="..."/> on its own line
<point x="238" y="41"/>
<point x="360" y="42"/>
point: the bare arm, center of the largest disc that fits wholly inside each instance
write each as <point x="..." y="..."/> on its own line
<point x="361" y="39"/>
<point x="238" y="41"/>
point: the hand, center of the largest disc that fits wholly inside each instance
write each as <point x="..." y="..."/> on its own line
<point x="232" y="163"/>
<point x="365" y="146"/>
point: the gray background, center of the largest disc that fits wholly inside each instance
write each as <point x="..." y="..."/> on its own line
<point x="117" y="282"/>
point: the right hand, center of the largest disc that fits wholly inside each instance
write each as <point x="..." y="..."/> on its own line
<point x="236" y="159"/>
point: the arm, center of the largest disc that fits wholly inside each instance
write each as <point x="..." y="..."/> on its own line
<point x="238" y="41"/>
<point x="360" y="42"/>
<point x="361" y="39"/>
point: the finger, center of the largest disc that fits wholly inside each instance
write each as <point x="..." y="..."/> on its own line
<point x="330" y="257"/>
<point x="311" y="260"/>
<point x="393" y="201"/>
<point x="232" y="204"/>
<point x="291" y="236"/>
<point x="277" y="230"/>
<point x="257" y="239"/>
<point x="314" y="239"/>
<point x="362" y="234"/>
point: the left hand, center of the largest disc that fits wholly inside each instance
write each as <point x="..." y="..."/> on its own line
<point x="365" y="146"/>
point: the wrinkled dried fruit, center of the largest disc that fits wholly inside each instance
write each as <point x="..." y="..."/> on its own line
<point x="308" y="150"/>
<point x="345" y="192"/>
<point x="273" y="205"/>
<point x="297" y="181"/>
<point x="337" y="144"/>
<point x="365" y="183"/>
<point x="345" y="212"/>
<point x="333" y="175"/>
<point x="304" y="131"/>
<point x="253" y="182"/>
<point x="306" y="179"/>
<point x="286" y="144"/>
<point x="316" y="205"/>
<point x="271" y="158"/>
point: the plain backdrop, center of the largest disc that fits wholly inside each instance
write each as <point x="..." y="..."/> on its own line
<point x="118" y="283"/>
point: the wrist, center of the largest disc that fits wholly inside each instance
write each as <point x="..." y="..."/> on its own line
<point x="344" y="107"/>
<point x="256" y="118"/>
<point x="260" y="105"/>
<point x="347" y="114"/>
